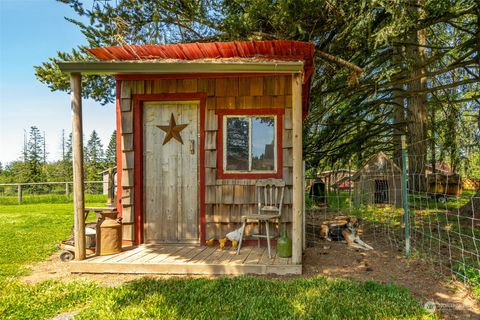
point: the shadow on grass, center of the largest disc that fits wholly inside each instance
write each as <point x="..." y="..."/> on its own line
<point x="254" y="298"/>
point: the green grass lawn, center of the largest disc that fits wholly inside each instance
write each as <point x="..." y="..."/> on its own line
<point x="29" y="233"/>
<point x="224" y="298"/>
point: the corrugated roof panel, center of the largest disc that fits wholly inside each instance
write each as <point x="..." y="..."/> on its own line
<point x="275" y="50"/>
<point x="239" y="48"/>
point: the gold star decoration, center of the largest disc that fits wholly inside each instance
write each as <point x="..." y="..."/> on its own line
<point x="172" y="130"/>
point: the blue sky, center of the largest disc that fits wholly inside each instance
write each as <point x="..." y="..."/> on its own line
<point x="31" y="31"/>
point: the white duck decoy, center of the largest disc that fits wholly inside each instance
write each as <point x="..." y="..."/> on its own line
<point x="234" y="235"/>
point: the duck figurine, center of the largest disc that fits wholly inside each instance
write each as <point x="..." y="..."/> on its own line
<point x="210" y="242"/>
<point x="222" y="243"/>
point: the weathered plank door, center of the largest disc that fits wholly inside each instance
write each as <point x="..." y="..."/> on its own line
<point x="170" y="172"/>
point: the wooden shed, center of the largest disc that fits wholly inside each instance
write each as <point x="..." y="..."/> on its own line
<point x="197" y="125"/>
<point x="378" y="182"/>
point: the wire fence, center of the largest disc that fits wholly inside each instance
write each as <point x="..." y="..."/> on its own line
<point x="436" y="217"/>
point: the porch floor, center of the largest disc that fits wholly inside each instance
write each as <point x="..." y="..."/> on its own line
<point x="185" y="259"/>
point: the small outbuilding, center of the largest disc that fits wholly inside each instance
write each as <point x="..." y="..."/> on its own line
<point x="197" y="125"/>
<point x="337" y="179"/>
<point x="378" y="182"/>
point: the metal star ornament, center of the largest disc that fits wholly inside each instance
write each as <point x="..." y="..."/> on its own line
<point x="172" y="130"/>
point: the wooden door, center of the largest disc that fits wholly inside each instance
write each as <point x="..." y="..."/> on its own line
<point x="381" y="191"/>
<point x="170" y="172"/>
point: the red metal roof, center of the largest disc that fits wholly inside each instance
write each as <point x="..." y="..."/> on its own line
<point x="285" y="50"/>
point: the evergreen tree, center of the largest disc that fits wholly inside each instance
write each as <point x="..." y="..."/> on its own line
<point x="68" y="156"/>
<point x="65" y="166"/>
<point x="34" y="157"/>
<point x="111" y="152"/>
<point x="94" y="157"/>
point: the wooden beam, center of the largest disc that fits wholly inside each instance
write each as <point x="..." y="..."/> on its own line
<point x="298" y="195"/>
<point x="77" y="142"/>
<point x="19" y="193"/>
<point x="304" y="231"/>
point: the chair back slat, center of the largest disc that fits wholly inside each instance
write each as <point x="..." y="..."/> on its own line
<point x="270" y="194"/>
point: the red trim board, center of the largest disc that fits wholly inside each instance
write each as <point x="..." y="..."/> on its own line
<point x="118" y="120"/>
<point x="138" y="100"/>
<point x="279" y="135"/>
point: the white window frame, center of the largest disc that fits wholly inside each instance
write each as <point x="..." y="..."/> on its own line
<point x="275" y="144"/>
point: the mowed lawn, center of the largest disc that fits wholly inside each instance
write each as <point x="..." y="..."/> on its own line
<point x="29" y="233"/>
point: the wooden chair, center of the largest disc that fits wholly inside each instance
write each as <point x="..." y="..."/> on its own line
<point x="270" y="200"/>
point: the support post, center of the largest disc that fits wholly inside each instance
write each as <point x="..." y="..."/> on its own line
<point x="297" y="128"/>
<point x="78" y="188"/>
<point x="19" y="193"/>
<point x="304" y="226"/>
<point x="406" y="213"/>
<point x="67" y="191"/>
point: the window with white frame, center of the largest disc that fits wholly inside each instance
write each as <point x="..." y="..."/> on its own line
<point x="249" y="143"/>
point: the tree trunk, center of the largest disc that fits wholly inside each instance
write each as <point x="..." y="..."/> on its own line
<point x="432" y="139"/>
<point x="417" y="105"/>
<point x="452" y="120"/>
<point x="399" y="114"/>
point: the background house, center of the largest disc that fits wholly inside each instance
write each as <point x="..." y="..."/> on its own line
<point x="378" y="182"/>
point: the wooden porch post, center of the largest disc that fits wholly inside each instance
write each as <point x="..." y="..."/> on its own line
<point x="77" y="148"/>
<point x="298" y="195"/>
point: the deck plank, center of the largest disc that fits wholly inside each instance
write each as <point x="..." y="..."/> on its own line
<point x="221" y="257"/>
<point x="164" y="253"/>
<point x="240" y="258"/>
<point x="178" y="256"/>
<point x="187" y="257"/>
<point x="228" y="256"/>
<point x="119" y="256"/>
<point x="202" y="255"/>
<point x="211" y="259"/>
<point x="254" y="255"/>
<point x="136" y="256"/>
<point x="265" y="259"/>
<point x="155" y="251"/>
<point x="150" y="253"/>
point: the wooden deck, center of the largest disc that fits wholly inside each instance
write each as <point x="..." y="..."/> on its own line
<point x="184" y="259"/>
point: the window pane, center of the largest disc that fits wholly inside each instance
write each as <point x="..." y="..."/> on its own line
<point x="263" y="143"/>
<point x="237" y="144"/>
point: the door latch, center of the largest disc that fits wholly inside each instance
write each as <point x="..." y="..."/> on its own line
<point x="192" y="146"/>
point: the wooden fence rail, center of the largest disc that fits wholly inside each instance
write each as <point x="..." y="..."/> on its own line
<point x="20" y="186"/>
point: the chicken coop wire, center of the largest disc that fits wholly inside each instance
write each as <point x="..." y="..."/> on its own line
<point x="443" y="223"/>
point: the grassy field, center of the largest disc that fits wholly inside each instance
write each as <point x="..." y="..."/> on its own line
<point x="29" y="233"/>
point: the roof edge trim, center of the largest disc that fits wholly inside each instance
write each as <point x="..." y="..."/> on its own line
<point x="123" y="67"/>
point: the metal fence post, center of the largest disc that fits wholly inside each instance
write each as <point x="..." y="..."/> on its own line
<point x="406" y="214"/>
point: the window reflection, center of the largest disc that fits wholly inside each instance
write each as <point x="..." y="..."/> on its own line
<point x="263" y="142"/>
<point x="237" y="143"/>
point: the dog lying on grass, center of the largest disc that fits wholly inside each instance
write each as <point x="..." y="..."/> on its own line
<point x="343" y="228"/>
